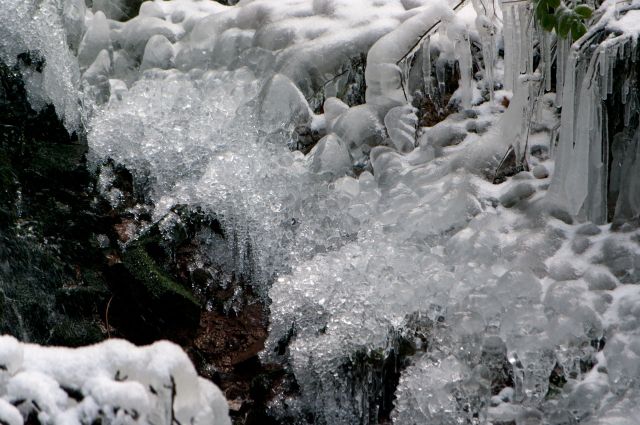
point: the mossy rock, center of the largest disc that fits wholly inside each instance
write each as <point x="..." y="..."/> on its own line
<point x="76" y="333"/>
<point x="148" y="303"/>
<point x="158" y="284"/>
<point x="81" y="300"/>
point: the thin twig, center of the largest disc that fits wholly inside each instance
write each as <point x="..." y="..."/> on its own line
<point x="106" y="317"/>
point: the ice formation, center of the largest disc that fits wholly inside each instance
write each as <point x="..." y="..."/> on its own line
<point x="386" y="241"/>
<point x="111" y="382"/>
<point x="36" y="31"/>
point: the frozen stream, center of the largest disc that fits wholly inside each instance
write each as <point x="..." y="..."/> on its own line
<point x="381" y="242"/>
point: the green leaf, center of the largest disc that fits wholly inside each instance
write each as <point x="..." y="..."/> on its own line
<point x="554" y="3"/>
<point x="541" y="11"/>
<point x="584" y="11"/>
<point x="564" y="25"/>
<point x="548" y="22"/>
<point x="578" y="29"/>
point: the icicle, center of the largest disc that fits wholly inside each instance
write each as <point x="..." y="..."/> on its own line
<point x="625" y="91"/>
<point x="609" y="87"/>
<point x="459" y="34"/>
<point x="562" y="49"/>
<point x="546" y="57"/>
<point x="486" y="25"/>
<point x="524" y="39"/>
<point x="604" y="71"/>
<point x="426" y="67"/>
<point x="509" y="35"/>
<point x="440" y="75"/>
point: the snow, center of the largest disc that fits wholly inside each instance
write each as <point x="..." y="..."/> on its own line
<point x="118" y="383"/>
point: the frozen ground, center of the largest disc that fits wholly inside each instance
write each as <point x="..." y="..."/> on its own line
<point x="514" y="306"/>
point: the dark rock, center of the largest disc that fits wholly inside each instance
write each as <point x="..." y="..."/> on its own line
<point x="119" y="10"/>
<point x="517" y="193"/>
<point x="580" y="244"/>
<point x="560" y="214"/>
<point x="540" y="172"/>
<point x="622" y="261"/>
<point x="588" y="229"/>
<point x="46" y="220"/>
<point x="509" y="166"/>
<point x="494" y="358"/>
<point x="540" y="151"/>
<point x="478" y="127"/>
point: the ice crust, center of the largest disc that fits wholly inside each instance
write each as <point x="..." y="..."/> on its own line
<point x="117" y="382"/>
<point x="385" y="234"/>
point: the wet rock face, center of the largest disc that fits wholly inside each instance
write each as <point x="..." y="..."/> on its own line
<point x="50" y="294"/>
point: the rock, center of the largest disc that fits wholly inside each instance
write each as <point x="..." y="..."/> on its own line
<point x="580" y="244"/>
<point x="120" y="10"/>
<point x="563" y="270"/>
<point x="148" y="303"/>
<point x="622" y="261"/>
<point x="523" y="175"/>
<point x="560" y="214"/>
<point x="588" y="229"/>
<point x="600" y="280"/>
<point x="540" y="151"/>
<point x="52" y="263"/>
<point x="478" y="127"/>
<point x="517" y="193"/>
<point x="540" y="172"/>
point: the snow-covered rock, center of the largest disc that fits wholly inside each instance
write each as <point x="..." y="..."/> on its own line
<point x="112" y="382"/>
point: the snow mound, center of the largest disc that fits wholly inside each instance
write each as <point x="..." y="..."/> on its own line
<point x="113" y="382"/>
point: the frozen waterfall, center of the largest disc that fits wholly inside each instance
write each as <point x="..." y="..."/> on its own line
<point x="403" y="285"/>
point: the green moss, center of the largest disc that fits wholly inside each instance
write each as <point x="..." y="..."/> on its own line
<point x="157" y="283"/>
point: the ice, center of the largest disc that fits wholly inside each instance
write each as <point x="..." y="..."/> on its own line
<point x="401" y="123"/>
<point x="158" y="53"/>
<point x="333" y="108"/>
<point x="361" y="129"/>
<point x="119" y="383"/>
<point x="383" y="75"/>
<point x="136" y="33"/>
<point x="282" y="105"/>
<point x="330" y="157"/>
<point x="38" y="29"/>
<point x="96" y="38"/>
<point x="73" y="13"/>
<point x="97" y="76"/>
<point x="487" y="22"/>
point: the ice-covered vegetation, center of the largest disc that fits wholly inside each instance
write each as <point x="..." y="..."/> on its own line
<point x="112" y="382"/>
<point x="472" y="261"/>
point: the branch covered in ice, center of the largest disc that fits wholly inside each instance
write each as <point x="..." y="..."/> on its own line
<point x="112" y="382"/>
<point x="383" y="75"/>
